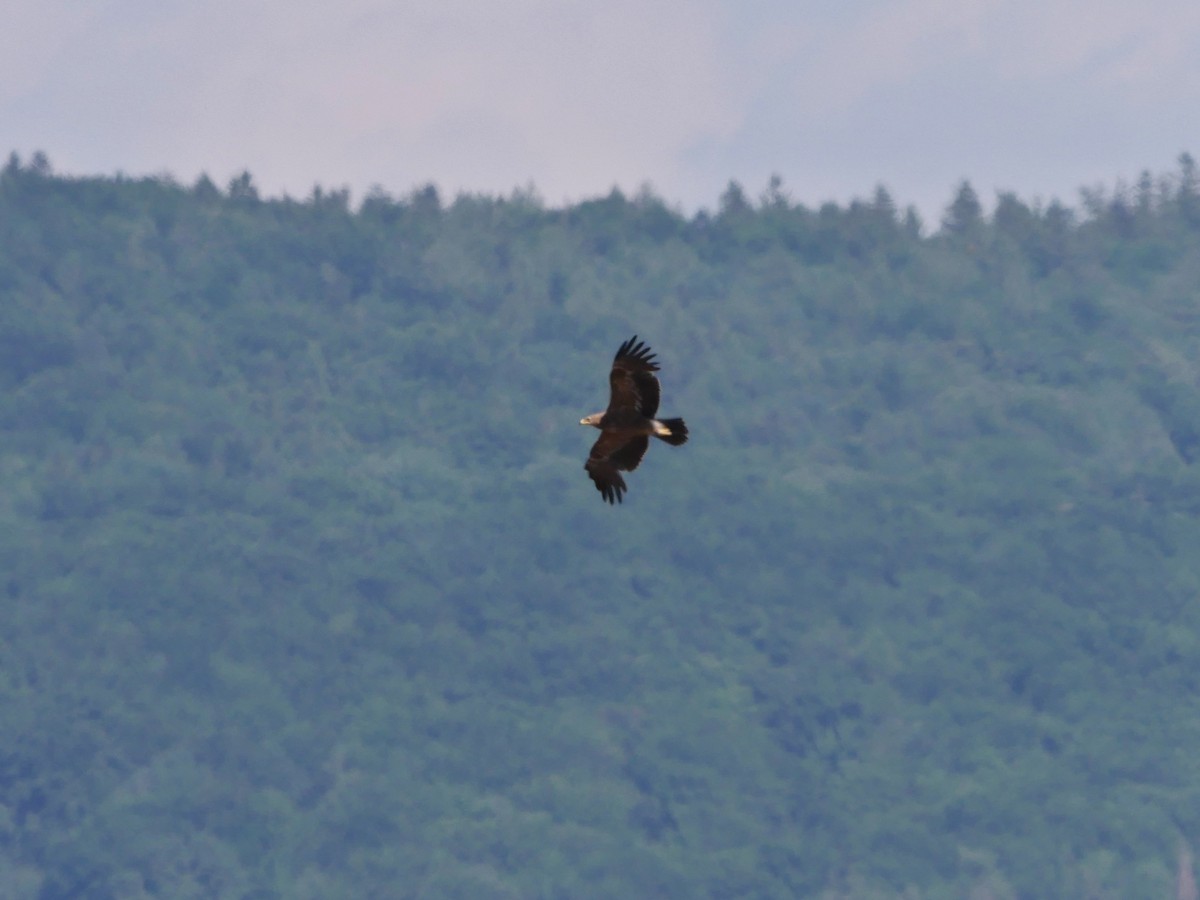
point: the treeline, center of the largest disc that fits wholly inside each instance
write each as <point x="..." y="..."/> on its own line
<point x="306" y="593"/>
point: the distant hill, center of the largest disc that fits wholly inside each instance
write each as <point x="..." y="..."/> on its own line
<point x="306" y="592"/>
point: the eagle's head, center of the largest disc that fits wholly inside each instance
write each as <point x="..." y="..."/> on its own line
<point x="593" y="420"/>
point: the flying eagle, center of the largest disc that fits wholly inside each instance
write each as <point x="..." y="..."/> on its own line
<point x="627" y="424"/>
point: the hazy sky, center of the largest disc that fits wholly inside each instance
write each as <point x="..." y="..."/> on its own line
<point x="836" y="96"/>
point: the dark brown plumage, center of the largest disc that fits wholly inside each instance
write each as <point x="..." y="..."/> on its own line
<point x="628" y="424"/>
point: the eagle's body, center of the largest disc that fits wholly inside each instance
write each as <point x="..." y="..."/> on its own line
<point x="628" y="424"/>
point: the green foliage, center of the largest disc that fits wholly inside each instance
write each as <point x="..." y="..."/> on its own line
<point x="304" y="591"/>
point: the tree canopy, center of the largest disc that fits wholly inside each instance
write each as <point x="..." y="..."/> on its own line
<point x="306" y="593"/>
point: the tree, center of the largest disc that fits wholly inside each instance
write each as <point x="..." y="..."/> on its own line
<point x="964" y="216"/>
<point x="1188" y="192"/>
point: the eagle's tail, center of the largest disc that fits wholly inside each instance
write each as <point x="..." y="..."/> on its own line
<point x="673" y="431"/>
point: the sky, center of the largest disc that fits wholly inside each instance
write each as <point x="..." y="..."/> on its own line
<point x="573" y="98"/>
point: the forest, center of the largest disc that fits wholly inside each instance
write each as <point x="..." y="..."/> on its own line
<point x="304" y="591"/>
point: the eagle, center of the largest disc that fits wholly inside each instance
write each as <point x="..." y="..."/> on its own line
<point x="628" y="424"/>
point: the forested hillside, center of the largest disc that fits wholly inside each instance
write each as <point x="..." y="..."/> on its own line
<point x="304" y="592"/>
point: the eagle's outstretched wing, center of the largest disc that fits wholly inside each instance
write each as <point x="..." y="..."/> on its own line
<point x="610" y="455"/>
<point x="608" y="480"/>
<point x="634" y="387"/>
